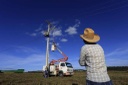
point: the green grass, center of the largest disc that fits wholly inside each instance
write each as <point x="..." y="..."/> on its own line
<point x="118" y="78"/>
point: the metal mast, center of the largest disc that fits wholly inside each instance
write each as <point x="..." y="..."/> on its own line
<point x="47" y="35"/>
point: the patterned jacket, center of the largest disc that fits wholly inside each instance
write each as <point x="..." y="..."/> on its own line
<point x="92" y="57"/>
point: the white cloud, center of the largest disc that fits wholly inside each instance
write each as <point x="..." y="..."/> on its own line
<point x="118" y="57"/>
<point x="39" y="29"/>
<point x="54" y="22"/>
<point x="117" y="62"/>
<point x="118" y="52"/>
<point x="73" y="29"/>
<point x="24" y="57"/>
<point x="57" y="44"/>
<point x="31" y="34"/>
<point x="64" y="40"/>
<point x="42" y="32"/>
<point x="57" y="33"/>
<point x="36" y="31"/>
<point x="26" y="49"/>
<point x="77" y="23"/>
<point x="27" y="62"/>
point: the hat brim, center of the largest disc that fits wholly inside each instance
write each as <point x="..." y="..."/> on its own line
<point x="94" y="40"/>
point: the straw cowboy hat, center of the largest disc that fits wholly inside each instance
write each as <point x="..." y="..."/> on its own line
<point x="90" y="36"/>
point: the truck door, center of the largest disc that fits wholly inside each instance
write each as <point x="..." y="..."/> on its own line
<point x="63" y="67"/>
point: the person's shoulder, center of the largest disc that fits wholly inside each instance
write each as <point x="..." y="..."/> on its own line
<point x="99" y="45"/>
<point x="84" y="46"/>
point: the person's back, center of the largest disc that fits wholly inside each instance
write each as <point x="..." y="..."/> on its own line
<point x="95" y="63"/>
<point x="92" y="57"/>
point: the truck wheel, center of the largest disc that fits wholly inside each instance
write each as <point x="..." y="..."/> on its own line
<point x="61" y="74"/>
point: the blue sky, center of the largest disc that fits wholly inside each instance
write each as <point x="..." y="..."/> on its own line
<point x="22" y="23"/>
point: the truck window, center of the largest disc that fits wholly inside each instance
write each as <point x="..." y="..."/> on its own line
<point x="69" y="65"/>
<point x="62" y="64"/>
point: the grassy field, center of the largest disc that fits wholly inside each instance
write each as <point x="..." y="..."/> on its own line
<point x="118" y="78"/>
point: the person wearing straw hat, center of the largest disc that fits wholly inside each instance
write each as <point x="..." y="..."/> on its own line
<point x="92" y="57"/>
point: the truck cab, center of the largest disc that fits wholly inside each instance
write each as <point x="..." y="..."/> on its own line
<point x="65" y="68"/>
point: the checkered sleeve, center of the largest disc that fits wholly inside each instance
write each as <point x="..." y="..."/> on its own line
<point x="82" y="57"/>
